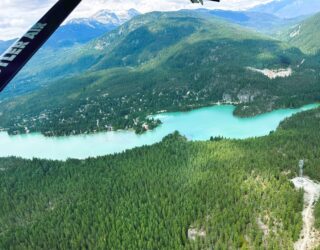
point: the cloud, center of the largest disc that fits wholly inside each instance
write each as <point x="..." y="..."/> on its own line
<point x="16" y="16"/>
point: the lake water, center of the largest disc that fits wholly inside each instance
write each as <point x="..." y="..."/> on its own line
<point x="198" y="124"/>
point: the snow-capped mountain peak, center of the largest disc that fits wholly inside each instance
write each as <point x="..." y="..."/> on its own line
<point x="128" y="14"/>
<point x="107" y="17"/>
<point x="114" y="17"/>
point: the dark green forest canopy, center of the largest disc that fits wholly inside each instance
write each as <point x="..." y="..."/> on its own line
<point x="149" y="197"/>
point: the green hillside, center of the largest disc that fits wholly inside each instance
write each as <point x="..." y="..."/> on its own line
<point x="150" y="197"/>
<point x="305" y="35"/>
<point x="180" y="61"/>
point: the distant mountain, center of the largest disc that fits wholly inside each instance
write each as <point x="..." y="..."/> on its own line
<point x="74" y="33"/>
<point x="162" y="61"/>
<point x="305" y="35"/>
<point x="82" y="30"/>
<point x="78" y="32"/>
<point x="4" y="45"/>
<point x="289" y="8"/>
<point x="261" y="22"/>
<point x="115" y="18"/>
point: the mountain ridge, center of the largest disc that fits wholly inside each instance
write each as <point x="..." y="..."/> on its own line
<point x="289" y="8"/>
<point x="69" y="37"/>
<point x="304" y="35"/>
<point x="180" y="62"/>
<point x="82" y="30"/>
<point x="267" y="23"/>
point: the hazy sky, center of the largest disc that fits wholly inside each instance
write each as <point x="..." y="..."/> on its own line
<point x="16" y="16"/>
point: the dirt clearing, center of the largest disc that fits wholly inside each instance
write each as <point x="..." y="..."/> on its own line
<point x="309" y="237"/>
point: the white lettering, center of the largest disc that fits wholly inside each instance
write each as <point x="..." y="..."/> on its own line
<point x="3" y="64"/>
<point x="14" y="51"/>
<point x="20" y="45"/>
<point x="31" y="35"/>
<point x="17" y="48"/>
<point x="35" y="30"/>
<point x="7" y="58"/>
<point x="39" y="26"/>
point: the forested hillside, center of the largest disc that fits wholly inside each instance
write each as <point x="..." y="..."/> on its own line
<point x="305" y="35"/>
<point x="67" y="39"/>
<point x="176" y="194"/>
<point x="234" y="193"/>
<point x="181" y="61"/>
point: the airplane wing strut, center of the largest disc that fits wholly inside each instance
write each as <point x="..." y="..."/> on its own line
<point x="13" y="60"/>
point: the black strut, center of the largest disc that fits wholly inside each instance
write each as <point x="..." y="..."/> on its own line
<point x="12" y="61"/>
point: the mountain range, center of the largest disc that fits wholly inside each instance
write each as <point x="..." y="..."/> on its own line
<point x="264" y="18"/>
<point x="183" y="61"/>
<point x="262" y="22"/>
<point x="69" y="36"/>
<point x="4" y="45"/>
<point x="289" y="8"/>
<point x="81" y="30"/>
<point x="176" y="194"/>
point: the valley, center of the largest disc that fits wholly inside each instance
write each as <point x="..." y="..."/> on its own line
<point x="160" y="71"/>
<point x="166" y="130"/>
<point x="149" y="197"/>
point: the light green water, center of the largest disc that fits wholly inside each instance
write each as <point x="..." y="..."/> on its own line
<point x="199" y="124"/>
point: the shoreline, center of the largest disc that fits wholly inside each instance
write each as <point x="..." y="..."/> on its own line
<point x="154" y="116"/>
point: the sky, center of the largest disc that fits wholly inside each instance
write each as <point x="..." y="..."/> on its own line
<point x="16" y="16"/>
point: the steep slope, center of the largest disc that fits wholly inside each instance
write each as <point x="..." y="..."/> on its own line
<point x="40" y="70"/>
<point x="116" y="18"/>
<point x="78" y="32"/>
<point x="231" y="194"/>
<point x="164" y="61"/>
<point x="305" y="35"/>
<point x="82" y="30"/>
<point x="4" y="45"/>
<point x="289" y="8"/>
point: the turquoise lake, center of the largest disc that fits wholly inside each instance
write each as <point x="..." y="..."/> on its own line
<point x="198" y="124"/>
